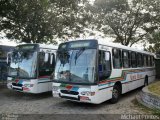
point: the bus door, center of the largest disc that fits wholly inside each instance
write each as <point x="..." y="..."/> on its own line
<point x="104" y="65"/>
<point x="46" y="67"/>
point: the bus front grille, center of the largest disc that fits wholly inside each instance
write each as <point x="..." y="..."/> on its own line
<point x="69" y="92"/>
<point x="70" y="98"/>
<point x="17" y="89"/>
<point x="15" y="84"/>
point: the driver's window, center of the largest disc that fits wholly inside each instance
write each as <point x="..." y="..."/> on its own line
<point x="104" y="65"/>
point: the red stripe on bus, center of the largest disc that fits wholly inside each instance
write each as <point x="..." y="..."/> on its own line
<point x="107" y="81"/>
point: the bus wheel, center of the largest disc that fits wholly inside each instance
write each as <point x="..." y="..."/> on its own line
<point x="115" y="94"/>
<point x="146" y="81"/>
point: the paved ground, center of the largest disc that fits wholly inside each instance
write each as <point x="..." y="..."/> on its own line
<point x="19" y="103"/>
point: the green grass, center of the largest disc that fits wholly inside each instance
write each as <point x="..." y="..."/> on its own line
<point x="155" y="88"/>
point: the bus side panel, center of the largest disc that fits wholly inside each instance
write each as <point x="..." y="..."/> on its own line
<point x="49" y="86"/>
<point x="125" y="87"/>
<point x="42" y="87"/>
<point x="136" y="80"/>
<point x="33" y="89"/>
<point x="128" y="86"/>
<point x="116" y="73"/>
<point x="104" y="93"/>
<point x="135" y="84"/>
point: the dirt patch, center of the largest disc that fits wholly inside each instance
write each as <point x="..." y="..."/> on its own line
<point x="20" y="103"/>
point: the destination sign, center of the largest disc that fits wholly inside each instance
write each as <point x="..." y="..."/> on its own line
<point x="27" y="47"/>
<point x="79" y="44"/>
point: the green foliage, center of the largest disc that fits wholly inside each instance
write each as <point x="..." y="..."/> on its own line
<point x="154" y="88"/>
<point x="42" y="21"/>
<point x="126" y="21"/>
<point x="154" y="40"/>
<point x="110" y="5"/>
<point x="39" y="21"/>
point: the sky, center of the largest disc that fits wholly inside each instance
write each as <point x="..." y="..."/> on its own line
<point x="5" y="41"/>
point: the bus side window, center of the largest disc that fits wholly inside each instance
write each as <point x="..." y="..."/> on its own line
<point x="125" y="56"/>
<point x="104" y="65"/>
<point x="139" y="60"/>
<point x="116" y="58"/>
<point x="149" y="61"/>
<point x="145" y="60"/>
<point x="133" y="59"/>
<point x="153" y="61"/>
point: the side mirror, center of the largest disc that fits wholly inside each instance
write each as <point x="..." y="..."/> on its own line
<point x="46" y="57"/>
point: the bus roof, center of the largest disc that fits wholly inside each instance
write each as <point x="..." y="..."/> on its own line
<point x="45" y="46"/>
<point x="116" y="45"/>
<point x="6" y="48"/>
<point x="48" y="46"/>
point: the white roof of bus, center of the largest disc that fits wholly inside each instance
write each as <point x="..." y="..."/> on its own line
<point x="50" y="46"/>
<point x="117" y="45"/>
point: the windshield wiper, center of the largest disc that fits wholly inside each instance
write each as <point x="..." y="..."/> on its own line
<point x="78" y="53"/>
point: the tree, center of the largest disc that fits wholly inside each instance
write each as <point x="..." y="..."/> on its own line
<point x="126" y="21"/>
<point x="38" y="21"/>
<point x="153" y="9"/>
<point x="154" y="40"/>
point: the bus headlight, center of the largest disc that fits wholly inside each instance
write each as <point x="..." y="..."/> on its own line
<point x="9" y="85"/>
<point x="88" y="93"/>
<point x="55" y="88"/>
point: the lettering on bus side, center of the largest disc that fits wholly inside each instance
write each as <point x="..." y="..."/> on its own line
<point x="136" y="76"/>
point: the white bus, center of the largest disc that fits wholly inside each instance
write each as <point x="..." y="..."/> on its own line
<point x="93" y="71"/>
<point x="30" y="68"/>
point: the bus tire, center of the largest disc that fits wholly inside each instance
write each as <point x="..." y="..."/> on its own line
<point x="146" y="81"/>
<point x="116" y="92"/>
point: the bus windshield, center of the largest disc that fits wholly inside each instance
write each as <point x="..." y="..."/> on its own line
<point x="76" y="66"/>
<point x="23" y="64"/>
